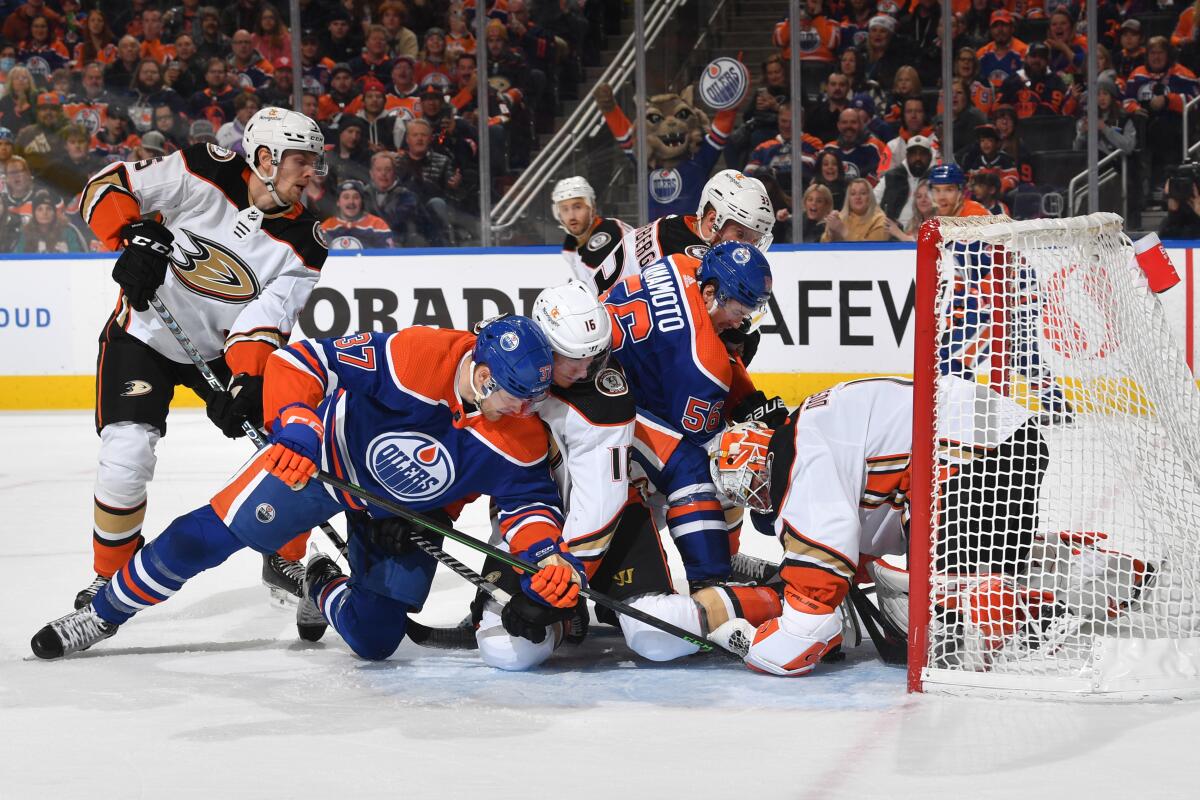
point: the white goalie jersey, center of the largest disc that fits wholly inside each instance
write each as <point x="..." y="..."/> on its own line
<point x="223" y="291"/>
<point x="841" y="470"/>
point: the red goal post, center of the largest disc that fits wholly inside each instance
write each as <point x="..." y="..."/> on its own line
<point x="1055" y="496"/>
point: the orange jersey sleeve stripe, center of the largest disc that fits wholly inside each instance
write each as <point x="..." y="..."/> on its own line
<point x="285" y="383"/>
<point x="248" y="356"/>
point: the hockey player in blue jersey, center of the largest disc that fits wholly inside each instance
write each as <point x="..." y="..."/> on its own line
<point x="667" y="326"/>
<point x="429" y="417"/>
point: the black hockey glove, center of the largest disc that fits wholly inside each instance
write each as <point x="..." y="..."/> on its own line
<point x="742" y="343"/>
<point x="757" y="408"/>
<point x="241" y="402"/>
<point x="390" y="536"/>
<point x="142" y="268"/>
<point x="525" y="617"/>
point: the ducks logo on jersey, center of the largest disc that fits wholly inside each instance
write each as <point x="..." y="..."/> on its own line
<point x="411" y="466"/>
<point x="207" y="268"/>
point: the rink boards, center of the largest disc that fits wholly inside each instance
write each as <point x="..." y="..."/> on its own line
<point x="839" y="311"/>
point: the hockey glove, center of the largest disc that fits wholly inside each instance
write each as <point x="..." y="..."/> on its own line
<point x="742" y="343"/>
<point x="142" y="268"/>
<point x="528" y="619"/>
<point x="559" y="578"/>
<point x="241" y="402"/>
<point x="757" y="408"/>
<point x="391" y="536"/>
<point x="295" y="445"/>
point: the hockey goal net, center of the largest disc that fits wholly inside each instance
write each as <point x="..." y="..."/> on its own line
<point x="1056" y="467"/>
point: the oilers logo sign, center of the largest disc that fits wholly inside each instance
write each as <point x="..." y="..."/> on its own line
<point x="412" y="467"/>
<point x="724" y="82"/>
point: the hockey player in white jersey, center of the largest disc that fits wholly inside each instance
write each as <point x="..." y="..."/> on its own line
<point x="733" y="208"/>
<point x="589" y="413"/>
<point x="592" y="247"/>
<point x="225" y="244"/>
<point x="831" y="484"/>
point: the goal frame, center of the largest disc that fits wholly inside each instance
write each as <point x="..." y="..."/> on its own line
<point x="921" y="506"/>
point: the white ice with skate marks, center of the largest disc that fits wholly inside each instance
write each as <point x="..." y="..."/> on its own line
<point x="212" y="694"/>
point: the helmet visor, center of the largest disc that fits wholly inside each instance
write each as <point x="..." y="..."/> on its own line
<point x="751" y="316"/>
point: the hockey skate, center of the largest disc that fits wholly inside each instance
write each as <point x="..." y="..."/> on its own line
<point x="77" y="631"/>
<point x="89" y="593"/>
<point x="310" y="622"/>
<point x="282" y="578"/>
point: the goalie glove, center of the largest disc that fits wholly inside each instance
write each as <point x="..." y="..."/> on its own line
<point x="241" y="402"/>
<point x="142" y="267"/>
<point x="756" y="407"/>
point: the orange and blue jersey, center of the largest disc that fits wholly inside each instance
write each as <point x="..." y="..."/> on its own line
<point x="364" y="233"/>
<point x="672" y="355"/>
<point x="396" y="425"/>
<point x="1178" y="85"/>
<point x="683" y="380"/>
<point x="996" y="67"/>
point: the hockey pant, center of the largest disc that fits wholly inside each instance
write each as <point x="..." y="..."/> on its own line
<point x="625" y="562"/>
<point x="134" y="388"/>
<point x="678" y="469"/>
<point x="257" y="510"/>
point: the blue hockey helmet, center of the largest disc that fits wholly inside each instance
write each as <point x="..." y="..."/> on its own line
<point x="519" y="356"/>
<point x="741" y="273"/>
<point x="947" y="175"/>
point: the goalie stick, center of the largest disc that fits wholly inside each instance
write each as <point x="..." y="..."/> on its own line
<point x="513" y="561"/>
<point x="421" y="634"/>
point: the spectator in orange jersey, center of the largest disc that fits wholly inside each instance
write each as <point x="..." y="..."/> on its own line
<point x="1155" y="94"/>
<point x="17" y="24"/>
<point x="41" y="48"/>
<point x="966" y="68"/>
<point x="459" y="39"/>
<point x="271" y="37"/>
<point x="1005" y="54"/>
<point x="354" y="228"/>
<point x="342" y="97"/>
<point x="97" y="41"/>
<point x="946" y="182"/>
<point x="1187" y="27"/>
<point x="986" y="156"/>
<point x="820" y="39"/>
<point x="152" y="43"/>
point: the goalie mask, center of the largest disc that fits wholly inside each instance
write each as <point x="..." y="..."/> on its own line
<point x="740" y="465"/>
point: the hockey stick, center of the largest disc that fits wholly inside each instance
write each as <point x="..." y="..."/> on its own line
<point x="891" y="644"/>
<point x="513" y="561"/>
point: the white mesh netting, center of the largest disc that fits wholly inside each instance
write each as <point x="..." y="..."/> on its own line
<point x="1065" y="550"/>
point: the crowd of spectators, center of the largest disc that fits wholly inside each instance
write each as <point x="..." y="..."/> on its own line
<point x="393" y="85"/>
<point x="871" y="74"/>
<point x="391" y="82"/>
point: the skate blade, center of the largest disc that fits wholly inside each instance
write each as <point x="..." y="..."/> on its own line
<point x="282" y="599"/>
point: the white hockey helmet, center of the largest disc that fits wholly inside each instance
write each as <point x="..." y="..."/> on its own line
<point x="740" y="198"/>
<point x="575" y="321"/>
<point x="279" y="130"/>
<point x="567" y="188"/>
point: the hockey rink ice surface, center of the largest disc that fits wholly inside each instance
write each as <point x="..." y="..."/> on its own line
<point x="213" y="696"/>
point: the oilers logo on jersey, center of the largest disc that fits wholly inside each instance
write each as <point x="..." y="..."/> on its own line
<point x="206" y="267"/>
<point x="411" y="466"/>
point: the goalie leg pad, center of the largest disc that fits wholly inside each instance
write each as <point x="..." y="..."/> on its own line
<point x="891" y="589"/>
<point x="511" y="653"/>
<point x="651" y="643"/>
<point x="796" y="641"/>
